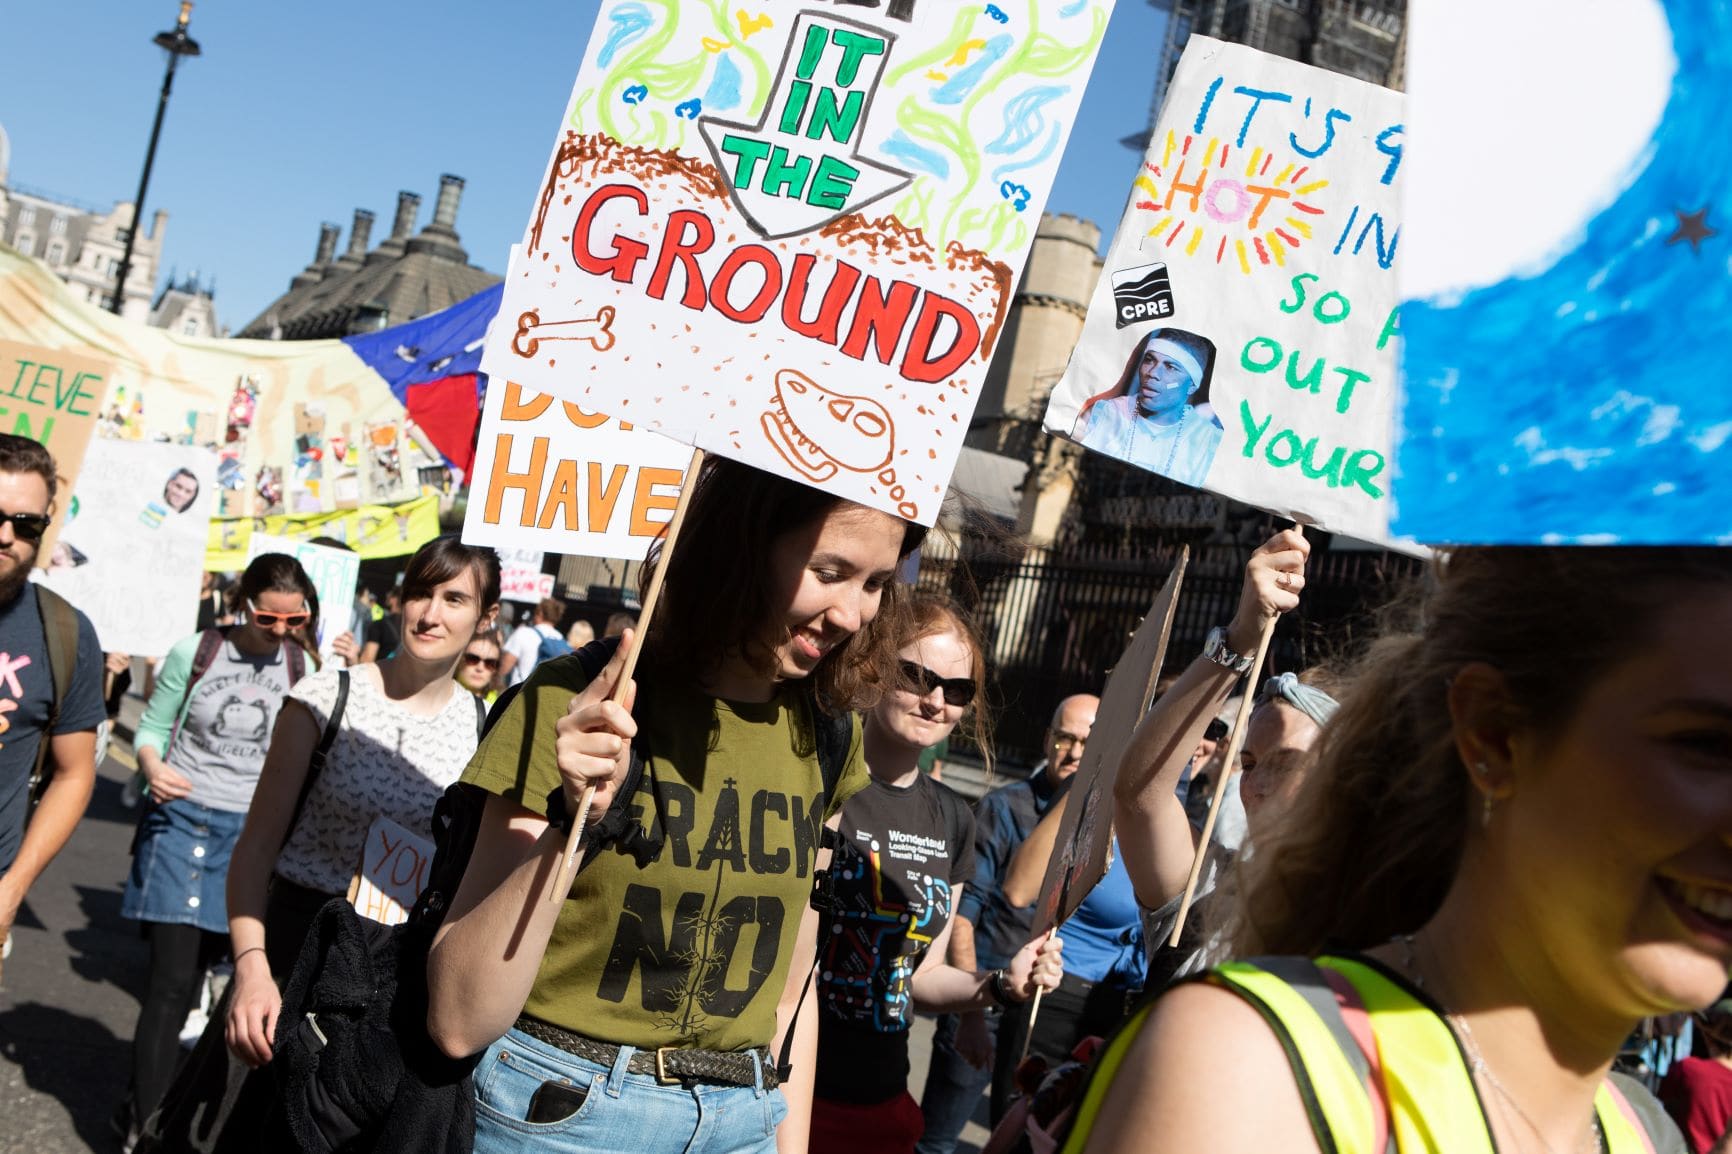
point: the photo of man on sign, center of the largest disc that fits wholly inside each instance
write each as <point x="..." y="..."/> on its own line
<point x="1157" y="415"/>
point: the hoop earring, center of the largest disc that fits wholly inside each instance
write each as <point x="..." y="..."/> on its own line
<point x="1489" y="803"/>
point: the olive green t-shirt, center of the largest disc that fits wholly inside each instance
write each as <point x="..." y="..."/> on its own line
<point x="692" y="949"/>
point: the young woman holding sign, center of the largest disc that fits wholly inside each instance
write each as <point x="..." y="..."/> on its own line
<point x="403" y="733"/>
<point x="642" y="1010"/>
<point x="1515" y="844"/>
<point x="906" y="847"/>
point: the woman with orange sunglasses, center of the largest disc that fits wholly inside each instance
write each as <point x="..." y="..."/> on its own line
<point x="200" y="747"/>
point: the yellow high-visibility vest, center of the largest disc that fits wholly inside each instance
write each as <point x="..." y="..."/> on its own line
<point x="1415" y="1096"/>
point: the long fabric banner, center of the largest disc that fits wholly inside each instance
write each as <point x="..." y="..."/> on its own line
<point x="1243" y="338"/>
<point x="791" y="237"/>
<point x="373" y="531"/>
<point x="253" y="400"/>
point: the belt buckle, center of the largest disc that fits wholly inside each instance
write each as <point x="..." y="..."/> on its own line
<point x="662" y="1074"/>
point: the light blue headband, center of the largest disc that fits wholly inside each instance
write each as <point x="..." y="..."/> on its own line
<point x="1307" y="699"/>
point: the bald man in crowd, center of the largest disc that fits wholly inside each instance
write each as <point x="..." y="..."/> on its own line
<point x="986" y="930"/>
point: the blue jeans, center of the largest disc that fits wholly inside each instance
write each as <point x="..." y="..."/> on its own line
<point x="953" y="1087"/>
<point x="621" y="1111"/>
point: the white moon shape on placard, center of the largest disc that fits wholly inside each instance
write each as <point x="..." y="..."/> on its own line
<point x="1569" y="140"/>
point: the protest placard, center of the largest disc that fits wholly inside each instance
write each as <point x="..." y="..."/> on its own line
<point x="521" y="578"/>
<point x="552" y="477"/>
<point x="133" y="545"/>
<point x="1566" y="275"/>
<point x="1243" y="337"/>
<point x="53" y="397"/>
<point x="393" y="871"/>
<point x="791" y="237"/>
<point x="1085" y="834"/>
<point x="334" y="573"/>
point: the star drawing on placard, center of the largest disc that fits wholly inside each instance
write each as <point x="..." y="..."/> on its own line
<point x="1693" y="227"/>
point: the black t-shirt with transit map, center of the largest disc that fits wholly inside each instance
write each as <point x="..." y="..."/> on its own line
<point x="902" y="853"/>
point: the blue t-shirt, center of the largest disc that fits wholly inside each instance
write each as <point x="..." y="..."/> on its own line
<point x="26" y="692"/>
<point x="1103" y="940"/>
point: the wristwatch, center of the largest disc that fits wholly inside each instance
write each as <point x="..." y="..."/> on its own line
<point x="999" y="988"/>
<point x="1217" y="650"/>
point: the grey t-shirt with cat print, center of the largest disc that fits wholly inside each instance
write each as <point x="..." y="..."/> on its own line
<point x="221" y="740"/>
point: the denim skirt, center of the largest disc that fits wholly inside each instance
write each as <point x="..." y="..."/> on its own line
<point x="180" y="866"/>
<point x="620" y="1111"/>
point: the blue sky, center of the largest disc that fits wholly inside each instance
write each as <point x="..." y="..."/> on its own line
<point x="302" y="112"/>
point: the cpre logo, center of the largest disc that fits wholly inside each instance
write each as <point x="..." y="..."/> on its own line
<point x="1142" y="294"/>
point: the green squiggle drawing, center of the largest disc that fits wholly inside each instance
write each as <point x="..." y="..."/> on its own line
<point x="668" y="81"/>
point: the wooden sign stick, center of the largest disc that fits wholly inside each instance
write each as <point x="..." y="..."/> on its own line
<point x="574" y="839"/>
<point x="1033" y="1017"/>
<point x="1231" y="763"/>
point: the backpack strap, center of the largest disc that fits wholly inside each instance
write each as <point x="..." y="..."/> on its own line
<point x="210" y="643"/>
<point x="832" y="734"/>
<point x="480" y="718"/>
<point x="835" y="733"/>
<point x="1627" y="1125"/>
<point x="60" y="630"/>
<point x="321" y="752"/>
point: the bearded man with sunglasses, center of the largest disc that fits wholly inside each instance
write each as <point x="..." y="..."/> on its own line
<point x="30" y="711"/>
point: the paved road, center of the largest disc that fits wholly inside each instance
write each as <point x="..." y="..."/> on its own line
<point x="73" y="983"/>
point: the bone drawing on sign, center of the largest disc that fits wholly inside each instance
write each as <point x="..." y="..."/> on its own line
<point x="820" y="432"/>
<point x="597" y="330"/>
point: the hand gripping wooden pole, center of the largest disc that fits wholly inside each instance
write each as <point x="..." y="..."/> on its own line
<point x="574" y="838"/>
<point x="1231" y="762"/>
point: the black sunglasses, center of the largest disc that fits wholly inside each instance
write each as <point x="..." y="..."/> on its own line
<point x="1216" y="731"/>
<point x="28" y="526"/>
<point x="484" y="662"/>
<point x="957" y="690"/>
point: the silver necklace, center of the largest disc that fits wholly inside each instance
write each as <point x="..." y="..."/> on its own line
<point x="1479" y="1066"/>
<point x="1178" y="436"/>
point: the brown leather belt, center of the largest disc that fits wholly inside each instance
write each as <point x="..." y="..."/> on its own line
<point x="669" y="1064"/>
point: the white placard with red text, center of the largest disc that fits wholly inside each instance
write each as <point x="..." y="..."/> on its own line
<point x="790" y="235"/>
<point x="394" y="869"/>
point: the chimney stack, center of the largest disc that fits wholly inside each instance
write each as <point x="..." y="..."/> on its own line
<point x="327" y="251"/>
<point x="359" y="233"/>
<point x="440" y="238"/>
<point x="408" y="205"/>
<point x="450" y="196"/>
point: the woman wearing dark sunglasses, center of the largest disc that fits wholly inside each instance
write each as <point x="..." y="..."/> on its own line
<point x="478" y="671"/>
<point x="906" y="848"/>
<point x="200" y="747"/>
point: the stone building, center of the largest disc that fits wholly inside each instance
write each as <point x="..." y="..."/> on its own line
<point x="187" y="307"/>
<point x="1045" y="323"/>
<point x="408" y="275"/>
<point x="81" y="243"/>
